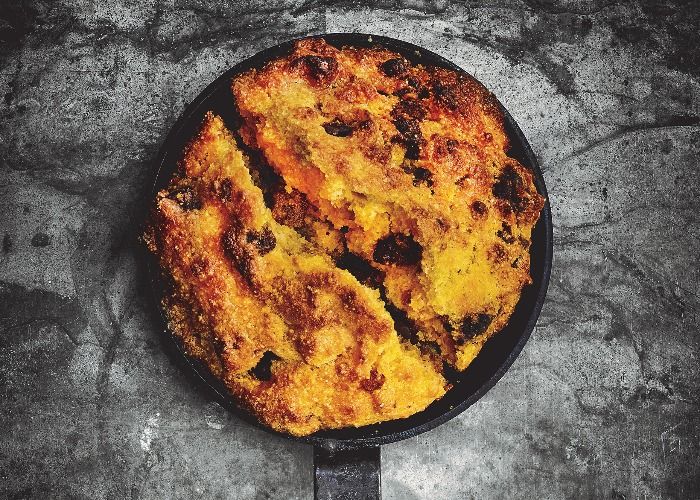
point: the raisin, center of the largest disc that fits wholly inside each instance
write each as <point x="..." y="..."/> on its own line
<point x="186" y="197"/>
<point x="263" y="240"/>
<point x="399" y="249"/>
<point x="479" y="209"/>
<point x="472" y="326"/>
<point x="337" y="128"/>
<point x="320" y="69"/>
<point x="422" y="176"/>
<point x="394" y="67"/>
<point x="505" y="233"/>
<point x="263" y="369"/>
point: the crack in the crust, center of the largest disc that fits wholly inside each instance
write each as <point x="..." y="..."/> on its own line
<point x="268" y="180"/>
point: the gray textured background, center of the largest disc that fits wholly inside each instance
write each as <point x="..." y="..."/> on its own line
<point x="603" y="402"/>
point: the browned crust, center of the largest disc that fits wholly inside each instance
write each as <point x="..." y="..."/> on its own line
<point x="396" y="172"/>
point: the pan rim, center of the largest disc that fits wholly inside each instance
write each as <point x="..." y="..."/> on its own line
<point x="326" y="438"/>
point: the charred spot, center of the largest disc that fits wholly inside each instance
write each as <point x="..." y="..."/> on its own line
<point x="462" y="181"/>
<point x="263" y="369"/>
<point x="186" y="197"/>
<point x="472" y="326"/>
<point x="478" y="209"/>
<point x="407" y="114"/>
<point x="360" y="269"/>
<point x="292" y="208"/>
<point x="264" y="240"/>
<point x="237" y="251"/>
<point x="363" y="124"/>
<point x="509" y="186"/>
<point x="412" y="149"/>
<point x="515" y="263"/>
<point x="337" y="128"/>
<point x="317" y="68"/>
<point x="445" y="95"/>
<point x="374" y="382"/>
<point x="349" y="299"/>
<point x="412" y="81"/>
<point x="488" y="137"/>
<point x="497" y="253"/>
<point x="423" y="93"/>
<point x="410" y="136"/>
<point x="199" y="267"/>
<point x="403" y="91"/>
<point x="451" y="145"/>
<point x="506" y="233"/>
<point x="394" y="67"/>
<point x="406" y="127"/>
<point x="344" y="229"/>
<point x="410" y="108"/>
<point x="223" y="189"/>
<point x="399" y="249"/>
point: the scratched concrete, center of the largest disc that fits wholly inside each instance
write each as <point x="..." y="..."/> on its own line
<point x="603" y="402"/>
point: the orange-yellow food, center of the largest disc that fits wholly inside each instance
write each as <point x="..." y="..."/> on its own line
<point x="411" y="163"/>
<point x="372" y="228"/>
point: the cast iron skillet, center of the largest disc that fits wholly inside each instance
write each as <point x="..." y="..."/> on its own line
<point x="347" y="461"/>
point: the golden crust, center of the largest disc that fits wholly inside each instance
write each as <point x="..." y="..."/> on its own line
<point x="248" y="291"/>
<point x="389" y="205"/>
<point x="408" y="159"/>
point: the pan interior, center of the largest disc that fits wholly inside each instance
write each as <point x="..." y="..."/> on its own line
<point x="496" y="355"/>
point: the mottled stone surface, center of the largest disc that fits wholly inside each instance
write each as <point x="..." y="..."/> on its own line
<point x="603" y="402"/>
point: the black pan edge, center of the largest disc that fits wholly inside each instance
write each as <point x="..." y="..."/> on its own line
<point x="500" y="351"/>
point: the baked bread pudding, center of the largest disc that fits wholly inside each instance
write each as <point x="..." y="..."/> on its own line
<point x="356" y="238"/>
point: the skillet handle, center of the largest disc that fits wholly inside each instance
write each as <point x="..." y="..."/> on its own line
<point x="347" y="474"/>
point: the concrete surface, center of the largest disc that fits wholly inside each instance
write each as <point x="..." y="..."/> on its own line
<point x="603" y="402"/>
